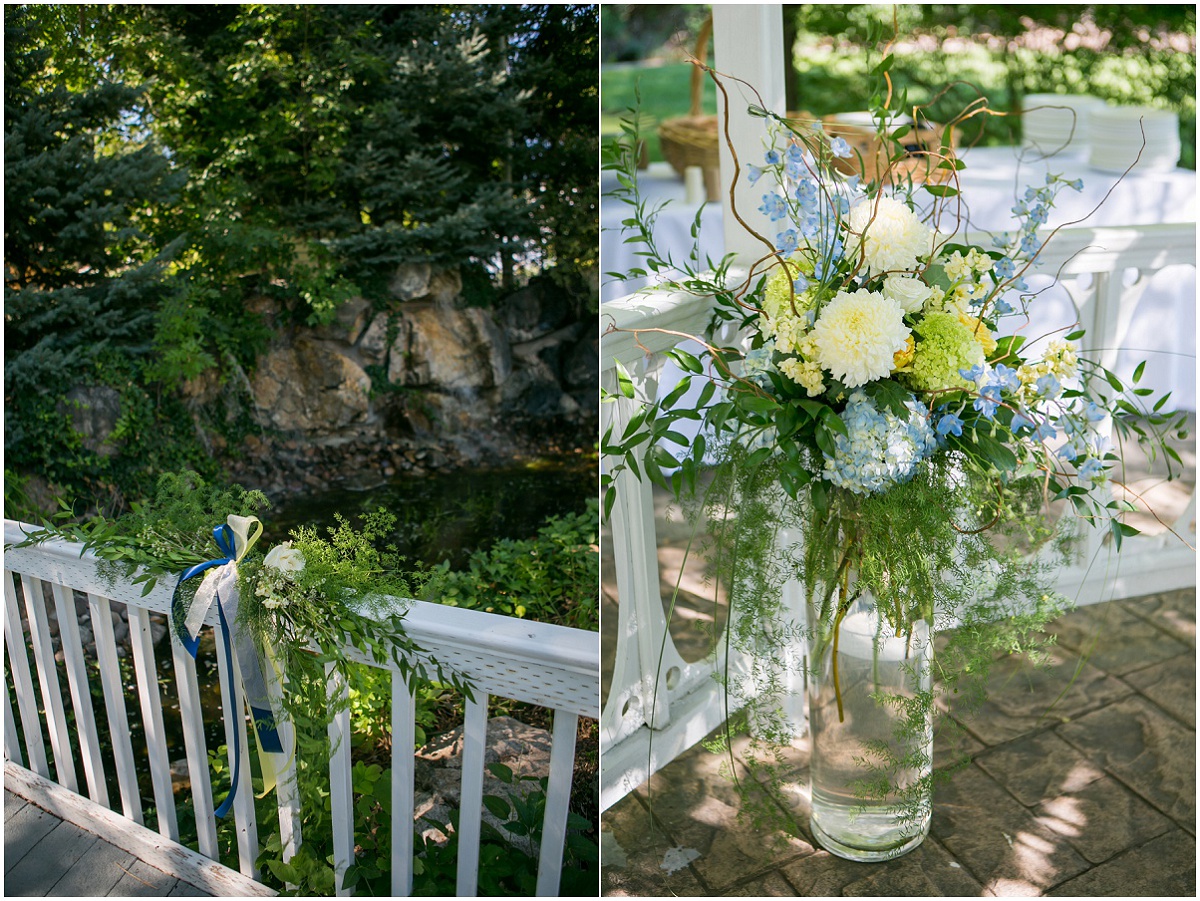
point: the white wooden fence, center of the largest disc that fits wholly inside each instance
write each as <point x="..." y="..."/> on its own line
<point x="536" y="663"/>
<point x="658" y="705"/>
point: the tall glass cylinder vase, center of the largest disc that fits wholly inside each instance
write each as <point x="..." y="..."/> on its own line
<point x="871" y="731"/>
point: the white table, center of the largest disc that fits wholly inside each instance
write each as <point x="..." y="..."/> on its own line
<point x="994" y="178"/>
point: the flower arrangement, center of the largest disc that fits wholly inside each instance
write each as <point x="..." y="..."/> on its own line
<point x="879" y="402"/>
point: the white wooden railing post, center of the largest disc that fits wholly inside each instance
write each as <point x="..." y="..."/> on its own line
<point x="52" y="702"/>
<point x="403" y="794"/>
<point x="196" y="750"/>
<point x="114" y="705"/>
<point x="341" y="794"/>
<point x="243" y="802"/>
<point x="18" y="665"/>
<point x="81" y="698"/>
<point x="558" y="793"/>
<point x="470" y="808"/>
<point x="152" y="720"/>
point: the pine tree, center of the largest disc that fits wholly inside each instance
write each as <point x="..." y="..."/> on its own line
<point x="83" y="279"/>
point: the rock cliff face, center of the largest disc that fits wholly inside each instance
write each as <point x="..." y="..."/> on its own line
<point x="426" y="364"/>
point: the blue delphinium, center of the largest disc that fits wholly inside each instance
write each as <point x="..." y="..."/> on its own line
<point x="880" y="449"/>
<point x="840" y="148"/>
<point x="949" y="424"/>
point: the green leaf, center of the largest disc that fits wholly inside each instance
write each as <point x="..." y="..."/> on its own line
<point x="284" y="872"/>
<point x="1121" y="531"/>
<point x="498" y="807"/>
<point x="501" y="772"/>
<point x="884" y="65"/>
<point x="757" y="403"/>
<point x="685" y="360"/>
<point x="825" y="441"/>
<point x="995" y="452"/>
<point x="583" y="848"/>
<point x="1076" y="335"/>
<point x="675" y="438"/>
<point x="661" y="457"/>
<point x="677" y="392"/>
<point x="758" y="457"/>
<point x="624" y="381"/>
<point x="941" y="190"/>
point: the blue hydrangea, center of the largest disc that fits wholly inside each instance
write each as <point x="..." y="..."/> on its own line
<point x="880" y="449"/>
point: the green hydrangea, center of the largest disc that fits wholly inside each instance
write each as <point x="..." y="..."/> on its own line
<point x="945" y="345"/>
<point x="787" y="312"/>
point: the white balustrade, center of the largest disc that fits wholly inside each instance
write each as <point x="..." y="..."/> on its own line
<point x="535" y="663"/>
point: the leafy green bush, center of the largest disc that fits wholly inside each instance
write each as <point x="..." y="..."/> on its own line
<point x="550" y="578"/>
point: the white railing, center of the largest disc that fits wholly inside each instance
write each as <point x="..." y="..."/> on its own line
<point x="536" y="663"/>
<point x="658" y="705"/>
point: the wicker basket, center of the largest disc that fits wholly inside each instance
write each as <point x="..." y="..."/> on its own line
<point x="693" y="140"/>
<point x="923" y="144"/>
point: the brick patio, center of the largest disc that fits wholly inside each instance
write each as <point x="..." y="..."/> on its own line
<point x="1091" y="795"/>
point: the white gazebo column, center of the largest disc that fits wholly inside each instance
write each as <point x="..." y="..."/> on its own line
<point x="747" y="44"/>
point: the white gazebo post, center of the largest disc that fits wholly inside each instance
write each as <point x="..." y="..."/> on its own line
<point x="748" y="44"/>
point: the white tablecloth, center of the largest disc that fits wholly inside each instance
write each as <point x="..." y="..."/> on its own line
<point x="1164" y="330"/>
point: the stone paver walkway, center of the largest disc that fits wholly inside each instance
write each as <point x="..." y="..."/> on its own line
<point x="1081" y="782"/>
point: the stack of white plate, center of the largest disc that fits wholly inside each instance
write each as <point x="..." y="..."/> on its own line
<point x="1116" y="138"/>
<point x="1058" y="123"/>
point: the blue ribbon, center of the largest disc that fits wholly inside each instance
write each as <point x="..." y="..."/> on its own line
<point x="223" y="536"/>
<point x="264" y="720"/>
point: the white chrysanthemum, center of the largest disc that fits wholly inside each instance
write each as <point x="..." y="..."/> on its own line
<point x="857" y="336"/>
<point x="891" y="234"/>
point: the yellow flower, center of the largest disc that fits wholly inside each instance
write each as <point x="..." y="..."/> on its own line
<point x="980" y="331"/>
<point x="903" y="358"/>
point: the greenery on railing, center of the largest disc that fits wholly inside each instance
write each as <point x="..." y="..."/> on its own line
<point x="551" y="578"/>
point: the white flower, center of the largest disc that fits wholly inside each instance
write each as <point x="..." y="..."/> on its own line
<point x="285" y="558"/>
<point x="857" y="336"/>
<point x="910" y="293"/>
<point x="890" y="234"/>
